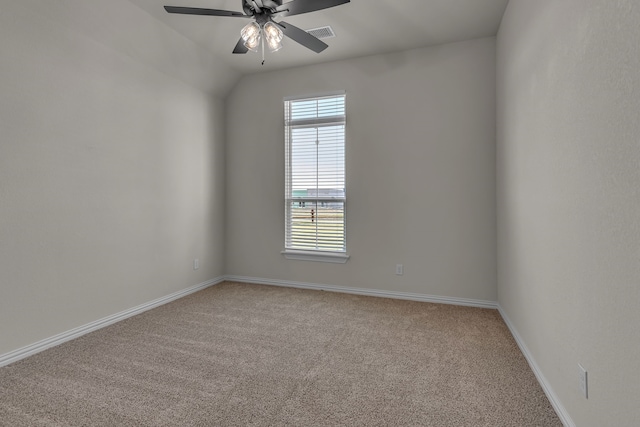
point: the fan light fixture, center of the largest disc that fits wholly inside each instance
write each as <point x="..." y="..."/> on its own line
<point x="274" y="36"/>
<point x="255" y="35"/>
<point x="251" y="36"/>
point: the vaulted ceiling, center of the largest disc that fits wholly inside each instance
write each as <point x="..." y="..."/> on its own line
<point x="362" y="27"/>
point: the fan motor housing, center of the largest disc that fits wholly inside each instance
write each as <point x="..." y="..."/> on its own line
<point x="249" y="8"/>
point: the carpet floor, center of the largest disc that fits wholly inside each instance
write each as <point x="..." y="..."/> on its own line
<point x="251" y="355"/>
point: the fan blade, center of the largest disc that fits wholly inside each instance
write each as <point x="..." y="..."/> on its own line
<point x="256" y="6"/>
<point x="210" y="12"/>
<point x="240" y="47"/>
<point x="297" y="7"/>
<point x="302" y="37"/>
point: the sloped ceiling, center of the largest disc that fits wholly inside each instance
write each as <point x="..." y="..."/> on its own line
<point x="362" y="27"/>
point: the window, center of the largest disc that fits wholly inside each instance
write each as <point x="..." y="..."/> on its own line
<point x="315" y="195"/>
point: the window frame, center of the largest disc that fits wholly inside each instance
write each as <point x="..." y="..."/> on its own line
<point x="319" y="255"/>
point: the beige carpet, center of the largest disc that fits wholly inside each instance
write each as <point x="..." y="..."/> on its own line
<point x="249" y="355"/>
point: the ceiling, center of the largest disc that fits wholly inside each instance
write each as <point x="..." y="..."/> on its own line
<point x="362" y="27"/>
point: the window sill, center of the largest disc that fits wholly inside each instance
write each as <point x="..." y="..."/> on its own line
<point x="317" y="256"/>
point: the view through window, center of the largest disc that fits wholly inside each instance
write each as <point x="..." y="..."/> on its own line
<point x="315" y="173"/>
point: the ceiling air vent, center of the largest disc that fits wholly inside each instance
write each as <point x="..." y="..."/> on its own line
<point x="322" y="32"/>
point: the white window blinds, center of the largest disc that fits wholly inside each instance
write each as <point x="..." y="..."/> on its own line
<point x="315" y="174"/>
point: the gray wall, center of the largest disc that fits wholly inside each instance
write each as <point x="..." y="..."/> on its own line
<point x="111" y="168"/>
<point x="420" y="171"/>
<point x="569" y="199"/>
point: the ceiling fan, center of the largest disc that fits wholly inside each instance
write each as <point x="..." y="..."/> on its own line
<point x="264" y="28"/>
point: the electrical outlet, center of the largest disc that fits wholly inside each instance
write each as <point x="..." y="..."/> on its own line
<point x="399" y="269"/>
<point x="584" y="385"/>
<point x="196" y="264"/>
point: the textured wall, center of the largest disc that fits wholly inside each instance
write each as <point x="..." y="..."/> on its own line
<point x="420" y="171"/>
<point x="111" y="170"/>
<point x="569" y="197"/>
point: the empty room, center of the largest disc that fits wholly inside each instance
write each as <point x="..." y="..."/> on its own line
<point x="320" y="213"/>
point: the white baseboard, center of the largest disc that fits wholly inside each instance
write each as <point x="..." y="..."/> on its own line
<point x="21" y="353"/>
<point x="367" y="292"/>
<point x="553" y="398"/>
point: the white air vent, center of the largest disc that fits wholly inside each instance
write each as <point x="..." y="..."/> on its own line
<point x="322" y="32"/>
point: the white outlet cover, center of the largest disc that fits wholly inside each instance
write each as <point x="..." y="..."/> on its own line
<point x="584" y="384"/>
